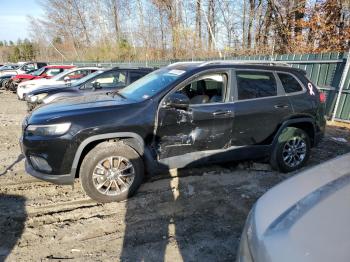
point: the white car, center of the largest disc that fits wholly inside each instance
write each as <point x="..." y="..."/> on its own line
<point x="304" y="219"/>
<point x="60" y="79"/>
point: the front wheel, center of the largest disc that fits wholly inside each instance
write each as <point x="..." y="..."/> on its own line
<point x="291" y="151"/>
<point x="112" y="171"/>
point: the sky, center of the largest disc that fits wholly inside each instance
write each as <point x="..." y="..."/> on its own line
<point x="13" y="18"/>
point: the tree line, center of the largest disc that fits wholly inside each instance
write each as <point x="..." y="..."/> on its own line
<point x="104" y="30"/>
<point x="22" y="50"/>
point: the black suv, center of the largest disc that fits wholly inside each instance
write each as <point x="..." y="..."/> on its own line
<point x="101" y="81"/>
<point x="182" y="115"/>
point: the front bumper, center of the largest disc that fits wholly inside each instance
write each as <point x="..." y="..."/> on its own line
<point x="20" y="93"/>
<point x="66" y="179"/>
<point x="58" y="152"/>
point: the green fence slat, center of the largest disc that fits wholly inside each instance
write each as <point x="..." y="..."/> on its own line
<point x="347" y="82"/>
<point x="344" y="107"/>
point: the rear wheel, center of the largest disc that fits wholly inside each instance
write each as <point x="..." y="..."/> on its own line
<point x="292" y="150"/>
<point x="112" y="171"/>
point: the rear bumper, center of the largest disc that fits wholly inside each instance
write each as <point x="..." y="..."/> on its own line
<point x="66" y="179"/>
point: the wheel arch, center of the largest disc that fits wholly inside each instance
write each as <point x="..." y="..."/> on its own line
<point x="131" y="139"/>
<point x="305" y="123"/>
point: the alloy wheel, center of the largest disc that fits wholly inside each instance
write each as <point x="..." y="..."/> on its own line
<point x="113" y="175"/>
<point x="294" y="151"/>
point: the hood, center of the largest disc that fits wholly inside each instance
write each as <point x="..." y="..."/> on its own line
<point x="76" y="106"/>
<point x="49" y="88"/>
<point x="35" y="82"/>
<point x="5" y="76"/>
<point x="24" y="76"/>
<point x="306" y="217"/>
<point x="8" y="72"/>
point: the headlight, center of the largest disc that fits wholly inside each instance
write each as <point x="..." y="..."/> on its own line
<point x="37" y="98"/>
<point x="48" y="130"/>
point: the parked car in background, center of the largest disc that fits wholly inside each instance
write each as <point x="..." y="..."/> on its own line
<point x="4" y="79"/>
<point x="304" y="218"/>
<point x="66" y="77"/>
<point x="101" y="81"/>
<point x="23" y="68"/>
<point x="46" y="72"/>
<point x="8" y="67"/>
<point x="182" y="115"/>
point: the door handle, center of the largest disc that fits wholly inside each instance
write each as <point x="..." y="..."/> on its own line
<point x="222" y="112"/>
<point x="281" y="106"/>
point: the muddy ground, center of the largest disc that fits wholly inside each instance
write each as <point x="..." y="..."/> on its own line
<point x="193" y="215"/>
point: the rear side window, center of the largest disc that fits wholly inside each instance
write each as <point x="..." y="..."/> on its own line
<point x="252" y="84"/>
<point x="289" y="83"/>
<point x="136" y="75"/>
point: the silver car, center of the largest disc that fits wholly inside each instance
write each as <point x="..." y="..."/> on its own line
<point x="305" y="218"/>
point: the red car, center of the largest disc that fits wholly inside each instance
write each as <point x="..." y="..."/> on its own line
<point x="44" y="72"/>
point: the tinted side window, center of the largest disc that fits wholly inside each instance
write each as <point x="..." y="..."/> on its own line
<point x="109" y="80"/>
<point x="289" y="83"/>
<point x="206" y="89"/>
<point x="252" y="84"/>
<point x="136" y="75"/>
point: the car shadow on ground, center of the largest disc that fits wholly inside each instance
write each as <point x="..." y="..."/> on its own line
<point x="19" y="159"/>
<point x="12" y="220"/>
<point x="167" y="227"/>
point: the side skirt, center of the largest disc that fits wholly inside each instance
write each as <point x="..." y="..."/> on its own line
<point x="211" y="156"/>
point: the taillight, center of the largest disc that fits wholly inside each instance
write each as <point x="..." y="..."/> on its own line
<point x="322" y="97"/>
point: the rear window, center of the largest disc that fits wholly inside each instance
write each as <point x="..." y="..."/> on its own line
<point x="252" y="84"/>
<point x="290" y="84"/>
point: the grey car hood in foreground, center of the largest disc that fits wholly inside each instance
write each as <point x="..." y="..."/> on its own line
<point x="305" y="218"/>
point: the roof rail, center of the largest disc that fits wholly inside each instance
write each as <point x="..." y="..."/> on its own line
<point x="186" y="62"/>
<point x="257" y="62"/>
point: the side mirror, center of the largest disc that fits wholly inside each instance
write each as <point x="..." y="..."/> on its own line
<point x="177" y="100"/>
<point x="96" y="85"/>
<point x="66" y="78"/>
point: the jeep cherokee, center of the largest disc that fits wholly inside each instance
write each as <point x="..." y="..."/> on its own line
<point x="185" y="114"/>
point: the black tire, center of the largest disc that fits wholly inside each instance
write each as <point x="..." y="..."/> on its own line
<point x="30" y="107"/>
<point x="282" y="153"/>
<point x="5" y="84"/>
<point x="93" y="159"/>
<point x="13" y="87"/>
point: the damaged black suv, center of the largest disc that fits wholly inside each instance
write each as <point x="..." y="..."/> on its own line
<point x="182" y="115"/>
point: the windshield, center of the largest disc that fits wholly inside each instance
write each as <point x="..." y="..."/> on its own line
<point x="86" y="78"/>
<point x="63" y="74"/>
<point x="38" y="72"/>
<point x="151" y="84"/>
